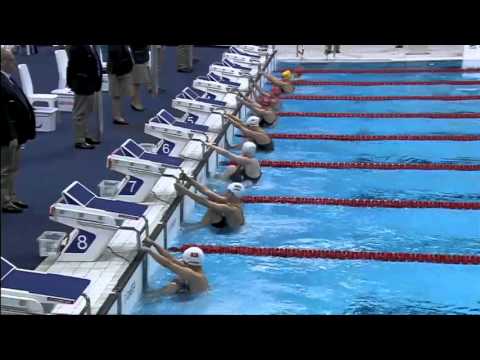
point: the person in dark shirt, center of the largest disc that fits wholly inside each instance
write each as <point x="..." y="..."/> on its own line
<point x="17" y="119"/>
<point x="141" y="74"/>
<point x="84" y="78"/>
<point x="119" y="67"/>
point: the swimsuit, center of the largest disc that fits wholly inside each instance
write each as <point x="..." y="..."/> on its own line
<point x="221" y="224"/>
<point x="263" y="123"/>
<point x="265" y="147"/>
<point x="240" y="175"/>
<point x="183" y="287"/>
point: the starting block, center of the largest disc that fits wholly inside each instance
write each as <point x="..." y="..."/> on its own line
<point x="240" y="83"/>
<point x="148" y="173"/>
<point x="187" y="141"/>
<point x="95" y="220"/>
<point x="256" y="50"/>
<point x="229" y="100"/>
<point x="35" y="292"/>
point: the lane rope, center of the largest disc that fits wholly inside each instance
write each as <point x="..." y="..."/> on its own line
<point x="380" y="98"/>
<point x="335" y="254"/>
<point x="368" y="166"/>
<point x="373" y="203"/>
<point x="375" y="137"/>
<point x="383" y="71"/>
<point x="384" y="83"/>
<point x="381" y="115"/>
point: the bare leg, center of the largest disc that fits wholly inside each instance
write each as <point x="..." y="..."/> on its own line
<point x="193" y="226"/>
<point x="153" y="295"/>
<point x="117" y="109"/>
<point x="136" y="99"/>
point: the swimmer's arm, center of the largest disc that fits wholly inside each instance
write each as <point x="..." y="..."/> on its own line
<point x="181" y="271"/>
<point x="205" y="190"/>
<point x="200" y="199"/>
<point x="259" y="89"/>
<point x="163" y="252"/>
<point x="273" y="79"/>
<point x="233" y="118"/>
<point x="238" y="123"/>
<point x="238" y="159"/>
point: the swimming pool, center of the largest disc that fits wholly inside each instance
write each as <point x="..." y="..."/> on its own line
<point x="272" y="285"/>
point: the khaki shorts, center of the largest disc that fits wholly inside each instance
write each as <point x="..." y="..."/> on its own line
<point x="141" y="74"/>
<point x="120" y="86"/>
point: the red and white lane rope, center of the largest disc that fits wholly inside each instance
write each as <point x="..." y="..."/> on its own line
<point x="335" y="254"/>
<point x="368" y="166"/>
<point x="383" y="83"/>
<point x="376" y="137"/>
<point x="383" y="71"/>
<point x="373" y="203"/>
<point x="382" y="115"/>
<point x="381" y="98"/>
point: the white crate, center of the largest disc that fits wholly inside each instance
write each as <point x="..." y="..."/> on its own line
<point x="151" y="148"/>
<point x="45" y="119"/>
<point x="50" y="242"/>
<point x="65" y="99"/>
<point x="108" y="188"/>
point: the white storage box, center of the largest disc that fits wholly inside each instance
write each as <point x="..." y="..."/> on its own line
<point x="108" y="188"/>
<point x="151" y="148"/>
<point x="45" y="118"/>
<point x="51" y="242"/>
<point x="65" y="99"/>
<point x="105" y="82"/>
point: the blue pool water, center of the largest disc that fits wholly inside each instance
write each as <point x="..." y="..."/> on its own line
<point x="389" y="90"/>
<point x="402" y="106"/>
<point x="268" y="285"/>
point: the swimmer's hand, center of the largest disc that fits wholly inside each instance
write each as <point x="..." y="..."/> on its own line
<point x="179" y="189"/>
<point x="184" y="177"/>
<point x="148" y="242"/>
<point x="145" y="249"/>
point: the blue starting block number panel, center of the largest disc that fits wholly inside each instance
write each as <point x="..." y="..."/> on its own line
<point x="81" y="243"/>
<point x="132" y="186"/>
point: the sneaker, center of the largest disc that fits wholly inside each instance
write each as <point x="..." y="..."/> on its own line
<point x="140" y="109"/>
<point x="120" y="122"/>
<point x="91" y="141"/>
<point x="11" y="208"/>
<point x="84" y="146"/>
<point x="19" y="204"/>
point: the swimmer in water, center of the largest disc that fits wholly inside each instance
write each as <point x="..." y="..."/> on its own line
<point x="253" y="132"/>
<point x="247" y="167"/>
<point x="224" y="211"/>
<point x="190" y="277"/>
<point x="285" y="84"/>
<point x="267" y="115"/>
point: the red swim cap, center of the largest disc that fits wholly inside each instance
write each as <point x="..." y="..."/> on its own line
<point x="276" y="91"/>
<point x="265" y="101"/>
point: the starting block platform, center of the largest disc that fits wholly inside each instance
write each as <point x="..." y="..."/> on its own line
<point x="38" y="292"/>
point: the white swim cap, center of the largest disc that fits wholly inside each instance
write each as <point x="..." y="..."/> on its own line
<point x="249" y="148"/>
<point x="193" y="256"/>
<point x="236" y="189"/>
<point x="253" y="121"/>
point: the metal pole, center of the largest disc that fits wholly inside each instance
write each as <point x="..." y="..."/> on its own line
<point x="99" y="112"/>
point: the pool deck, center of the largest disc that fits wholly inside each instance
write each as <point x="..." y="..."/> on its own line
<point x="364" y="53"/>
